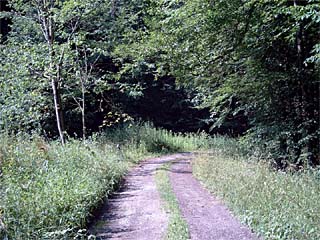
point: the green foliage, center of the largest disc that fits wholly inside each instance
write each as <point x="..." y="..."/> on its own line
<point x="98" y="72"/>
<point x="255" y="68"/>
<point x="275" y="204"/>
<point x="23" y="100"/>
<point x="79" y="38"/>
<point x="257" y="63"/>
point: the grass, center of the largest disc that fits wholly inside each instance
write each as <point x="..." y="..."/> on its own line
<point x="49" y="191"/>
<point x="177" y="228"/>
<point x="157" y="140"/>
<point x="276" y="205"/>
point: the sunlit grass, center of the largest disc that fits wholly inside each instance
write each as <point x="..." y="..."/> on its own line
<point x="177" y="226"/>
<point x="276" y="205"/>
<point x="158" y="140"/>
<point x="48" y="191"/>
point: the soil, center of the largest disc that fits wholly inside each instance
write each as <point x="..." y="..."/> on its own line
<point x="206" y="216"/>
<point x="136" y="212"/>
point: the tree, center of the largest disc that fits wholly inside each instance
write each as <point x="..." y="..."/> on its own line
<point x="60" y="29"/>
<point x="259" y="61"/>
<point x="23" y="104"/>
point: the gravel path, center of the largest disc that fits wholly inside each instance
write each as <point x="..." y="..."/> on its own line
<point x="207" y="217"/>
<point x="135" y="211"/>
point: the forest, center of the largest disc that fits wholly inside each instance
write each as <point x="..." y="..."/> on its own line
<point x="147" y="77"/>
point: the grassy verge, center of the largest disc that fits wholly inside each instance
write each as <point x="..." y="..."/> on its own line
<point x="274" y="204"/>
<point x="177" y="228"/>
<point x="48" y="191"/>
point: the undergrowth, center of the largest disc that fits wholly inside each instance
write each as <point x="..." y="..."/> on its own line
<point x="49" y="191"/>
<point x="275" y="204"/>
<point x="157" y="140"/>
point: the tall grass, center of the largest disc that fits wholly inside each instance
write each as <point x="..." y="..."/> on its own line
<point x="276" y="205"/>
<point x="49" y="191"/>
<point x="157" y="140"/>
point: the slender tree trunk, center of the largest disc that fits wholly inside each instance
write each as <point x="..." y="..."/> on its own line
<point x="58" y="110"/>
<point x="84" y="129"/>
<point x="55" y="79"/>
<point x="44" y="10"/>
<point x="83" y="79"/>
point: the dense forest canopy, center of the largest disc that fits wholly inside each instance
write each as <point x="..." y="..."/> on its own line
<point x="240" y="67"/>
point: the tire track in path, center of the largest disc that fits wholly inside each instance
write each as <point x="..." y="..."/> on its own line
<point x="135" y="211"/>
<point x="207" y="217"/>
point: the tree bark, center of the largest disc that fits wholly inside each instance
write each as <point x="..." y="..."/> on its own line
<point x="84" y="129"/>
<point x="58" y="109"/>
<point x="48" y="26"/>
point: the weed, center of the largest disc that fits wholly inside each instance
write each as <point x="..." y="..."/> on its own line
<point x="178" y="228"/>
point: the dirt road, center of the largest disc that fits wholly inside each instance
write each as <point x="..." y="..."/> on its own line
<point x="207" y="217"/>
<point x="135" y="211"/>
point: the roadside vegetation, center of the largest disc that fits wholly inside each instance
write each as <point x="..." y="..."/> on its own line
<point x="70" y="70"/>
<point x="177" y="228"/>
<point x="275" y="204"/>
<point x="49" y="191"/>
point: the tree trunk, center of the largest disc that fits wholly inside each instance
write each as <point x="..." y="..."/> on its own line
<point x="58" y="109"/>
<point x="84" y="129"/>
<point x="55" y="79"/>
